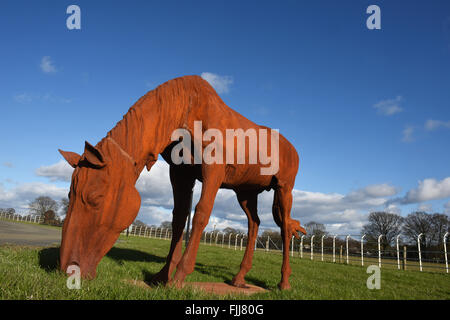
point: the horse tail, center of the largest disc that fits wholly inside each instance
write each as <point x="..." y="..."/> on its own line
<point x="276" y="207"/>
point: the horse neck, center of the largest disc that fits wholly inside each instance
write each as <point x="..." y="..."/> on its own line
<point x="145" y="130"/>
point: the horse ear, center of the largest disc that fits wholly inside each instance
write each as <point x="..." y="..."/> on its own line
<point x="71" y="157"/>
<point x="94" y="156"/>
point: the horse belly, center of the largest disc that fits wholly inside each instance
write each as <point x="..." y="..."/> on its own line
<point x="246" y="177"/>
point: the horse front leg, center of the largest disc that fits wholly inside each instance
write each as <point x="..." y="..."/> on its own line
<point x="212" y="179"/>
<point x="182" y="186"/>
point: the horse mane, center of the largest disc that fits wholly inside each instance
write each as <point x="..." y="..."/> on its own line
<point x="128" y="130"/>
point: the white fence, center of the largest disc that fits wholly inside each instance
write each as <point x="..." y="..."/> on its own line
<point x="18" y="217"/>
<point x="337" y="249"/>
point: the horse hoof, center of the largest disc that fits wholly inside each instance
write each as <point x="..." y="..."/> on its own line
<point x="159" y="279"/>
<point x="239" y="284"/>
<point x="284" y="286"/>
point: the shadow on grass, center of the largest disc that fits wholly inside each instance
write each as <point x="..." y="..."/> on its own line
<point x="49" y="261"/>
<point x="225" y="274"/>
<point x="121" y="254"/>
<point x="49" y="257"/>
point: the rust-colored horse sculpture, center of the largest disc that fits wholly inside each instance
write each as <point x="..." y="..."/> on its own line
<point x="104" y="200"/>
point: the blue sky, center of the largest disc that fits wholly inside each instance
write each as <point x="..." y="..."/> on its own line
<point x="367" y="110"/>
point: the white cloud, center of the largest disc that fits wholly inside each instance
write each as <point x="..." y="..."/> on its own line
<point x="372" y="191"/>
<point x="447" y="208"/>
<point x="20" y="196"/>
<point x="60" y="171"/>
<point x="389" y="107"/>
<point x="47" y="97"/>
<point x="407" y="134"/>
<point x="431" y="124"/>
<point x="220" y="83"/>
<point x="154" y="186"/>
<point x="392" y="208"/>
<point x="8" y="164"/>
<point x="428" y="189"/>
<point x="425" y="207"/>
<point x="47" y="65"/>
<point x="23" y="98"/>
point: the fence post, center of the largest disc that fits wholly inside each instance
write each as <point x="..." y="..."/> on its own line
<point x="312" y="247"/>
<point x="445" y="251"/>
<point x="167" y="233"/>
<point x="235" y="242"/>
<point x="340" y="254"/>
<point x="322" y="246"/>
<point x="404" y="257"/>
<point x="242" y="240"/>
<point x="301" y="246"/>
<point x="362" y="250"/>
<point x="346" y="248"/>
<point x="334" y="248"/>
<point x="420" y="254"/>
<point x="267" y="244"/>
<point x="229" y="241"/>
<point x="398" y="253"/>
<point x="223" y="237"/>
<point x="379" y="251"/>
<point x="217" y="237"/>
<point x="292" y="246"/>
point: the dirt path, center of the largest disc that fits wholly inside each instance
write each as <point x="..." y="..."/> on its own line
<point x="28" y="234"/>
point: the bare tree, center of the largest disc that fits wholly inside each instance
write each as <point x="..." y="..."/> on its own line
<point x="42" y="204"/>
<point x="383" y="223"/>
<point x="229" y="230"/>
<point x="315" y="228"/>
<point x="166" y="225"/>
<point x="440" y="224"/>
<point x="50" y="218"/>
<point x="64" y="205"/>
<point x="139" y="223"/>
<point x="8" y="211"/>
<point x="417" y="223"/>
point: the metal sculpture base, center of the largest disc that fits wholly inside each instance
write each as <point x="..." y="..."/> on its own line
<point x="218" y="288"/>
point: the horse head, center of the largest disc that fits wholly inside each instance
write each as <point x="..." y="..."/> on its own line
<point x="103" y="201"/>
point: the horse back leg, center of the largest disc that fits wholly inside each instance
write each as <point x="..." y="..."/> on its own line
<point x="289" y="228"/>
<point x="248" y="203"/>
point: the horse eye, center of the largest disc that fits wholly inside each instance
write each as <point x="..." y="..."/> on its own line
<point x="95" y="199"/>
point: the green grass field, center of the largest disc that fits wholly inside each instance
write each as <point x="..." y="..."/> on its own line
<point x="31" y="273"/>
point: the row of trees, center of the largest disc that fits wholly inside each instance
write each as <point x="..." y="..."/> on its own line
<point x="389" y="225"/>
